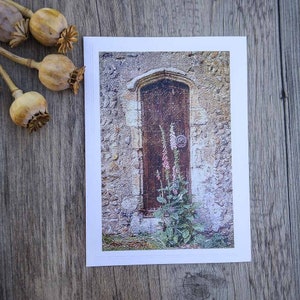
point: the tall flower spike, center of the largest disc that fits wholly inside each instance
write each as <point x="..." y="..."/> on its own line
<point x="174" y="148"/>
<point x="173" y="144"/>
<point x="165" y="159"/>
<point x="158" y="175"/>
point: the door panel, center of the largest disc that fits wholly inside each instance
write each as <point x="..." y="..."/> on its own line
<point x="163" y="102"/>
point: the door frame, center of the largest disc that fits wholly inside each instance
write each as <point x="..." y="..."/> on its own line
<point x="132" y="100"/>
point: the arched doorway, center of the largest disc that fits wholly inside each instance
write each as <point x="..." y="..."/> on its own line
<point x="163" y="96"/>
<point x="164" y="102"/>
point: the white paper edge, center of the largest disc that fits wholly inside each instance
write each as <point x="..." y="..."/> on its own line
<point x="240" y="166"/>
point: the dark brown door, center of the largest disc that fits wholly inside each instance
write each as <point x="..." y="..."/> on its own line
<point x="163" y="102"/>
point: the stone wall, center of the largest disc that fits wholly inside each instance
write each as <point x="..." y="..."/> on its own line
<point x="207" y="75"/>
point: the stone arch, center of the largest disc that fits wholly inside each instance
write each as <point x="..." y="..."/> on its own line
<point x="157" y="74"/>
<point x="132" y="98"/>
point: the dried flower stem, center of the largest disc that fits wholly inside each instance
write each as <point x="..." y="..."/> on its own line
<point x="20" y="60"/>
<point x="26" y="12"/>
<point x="12" y="87"/>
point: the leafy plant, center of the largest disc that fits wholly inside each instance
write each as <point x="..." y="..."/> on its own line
<point x="177" y="211"/>
<point x="217" y="240"/>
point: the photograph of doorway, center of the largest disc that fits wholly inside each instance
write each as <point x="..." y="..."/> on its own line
<point x="166" y="166"/>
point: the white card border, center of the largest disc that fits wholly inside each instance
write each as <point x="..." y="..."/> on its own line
<point x="240" y="166"/>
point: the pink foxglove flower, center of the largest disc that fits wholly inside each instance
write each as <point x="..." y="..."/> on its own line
<point x="165" y="160"/>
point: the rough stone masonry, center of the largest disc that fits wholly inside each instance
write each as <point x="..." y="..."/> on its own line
<point x="208" y="77"/>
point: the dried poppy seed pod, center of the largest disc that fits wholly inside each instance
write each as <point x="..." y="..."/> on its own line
<point x="56" y="71"/>
<point x="13" y="27"/>
<point x="49" y="27"/>
<point x="29" y="110"/>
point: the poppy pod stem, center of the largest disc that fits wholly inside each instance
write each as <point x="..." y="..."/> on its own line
<point x="18" y="59"/>
<point x="12" y="87"/>
<point x="26" y="12"/>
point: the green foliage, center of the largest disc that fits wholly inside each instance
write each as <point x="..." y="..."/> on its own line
<point x="177" y="215"/>
<point x="217" y="240"/>
<point x="177" y="211"/>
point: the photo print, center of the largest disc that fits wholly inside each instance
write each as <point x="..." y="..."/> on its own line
<point x="167" y="171"/>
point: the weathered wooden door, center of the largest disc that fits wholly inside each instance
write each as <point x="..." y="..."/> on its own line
<point x="163" y="102"/>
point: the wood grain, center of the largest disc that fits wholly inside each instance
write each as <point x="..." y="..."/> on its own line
<point x="42" y="175"/>
<point x="290" y="57"/>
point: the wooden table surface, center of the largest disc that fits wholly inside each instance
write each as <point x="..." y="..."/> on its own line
<point x="42" y="187"/>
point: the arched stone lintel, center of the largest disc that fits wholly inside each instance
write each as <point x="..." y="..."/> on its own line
<point x="157" y="74"/>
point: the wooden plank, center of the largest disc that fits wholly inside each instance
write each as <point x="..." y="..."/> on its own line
<point x="270" y="215"/>
<point x="290" y="55"/>
<point x="42" y="207"/>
